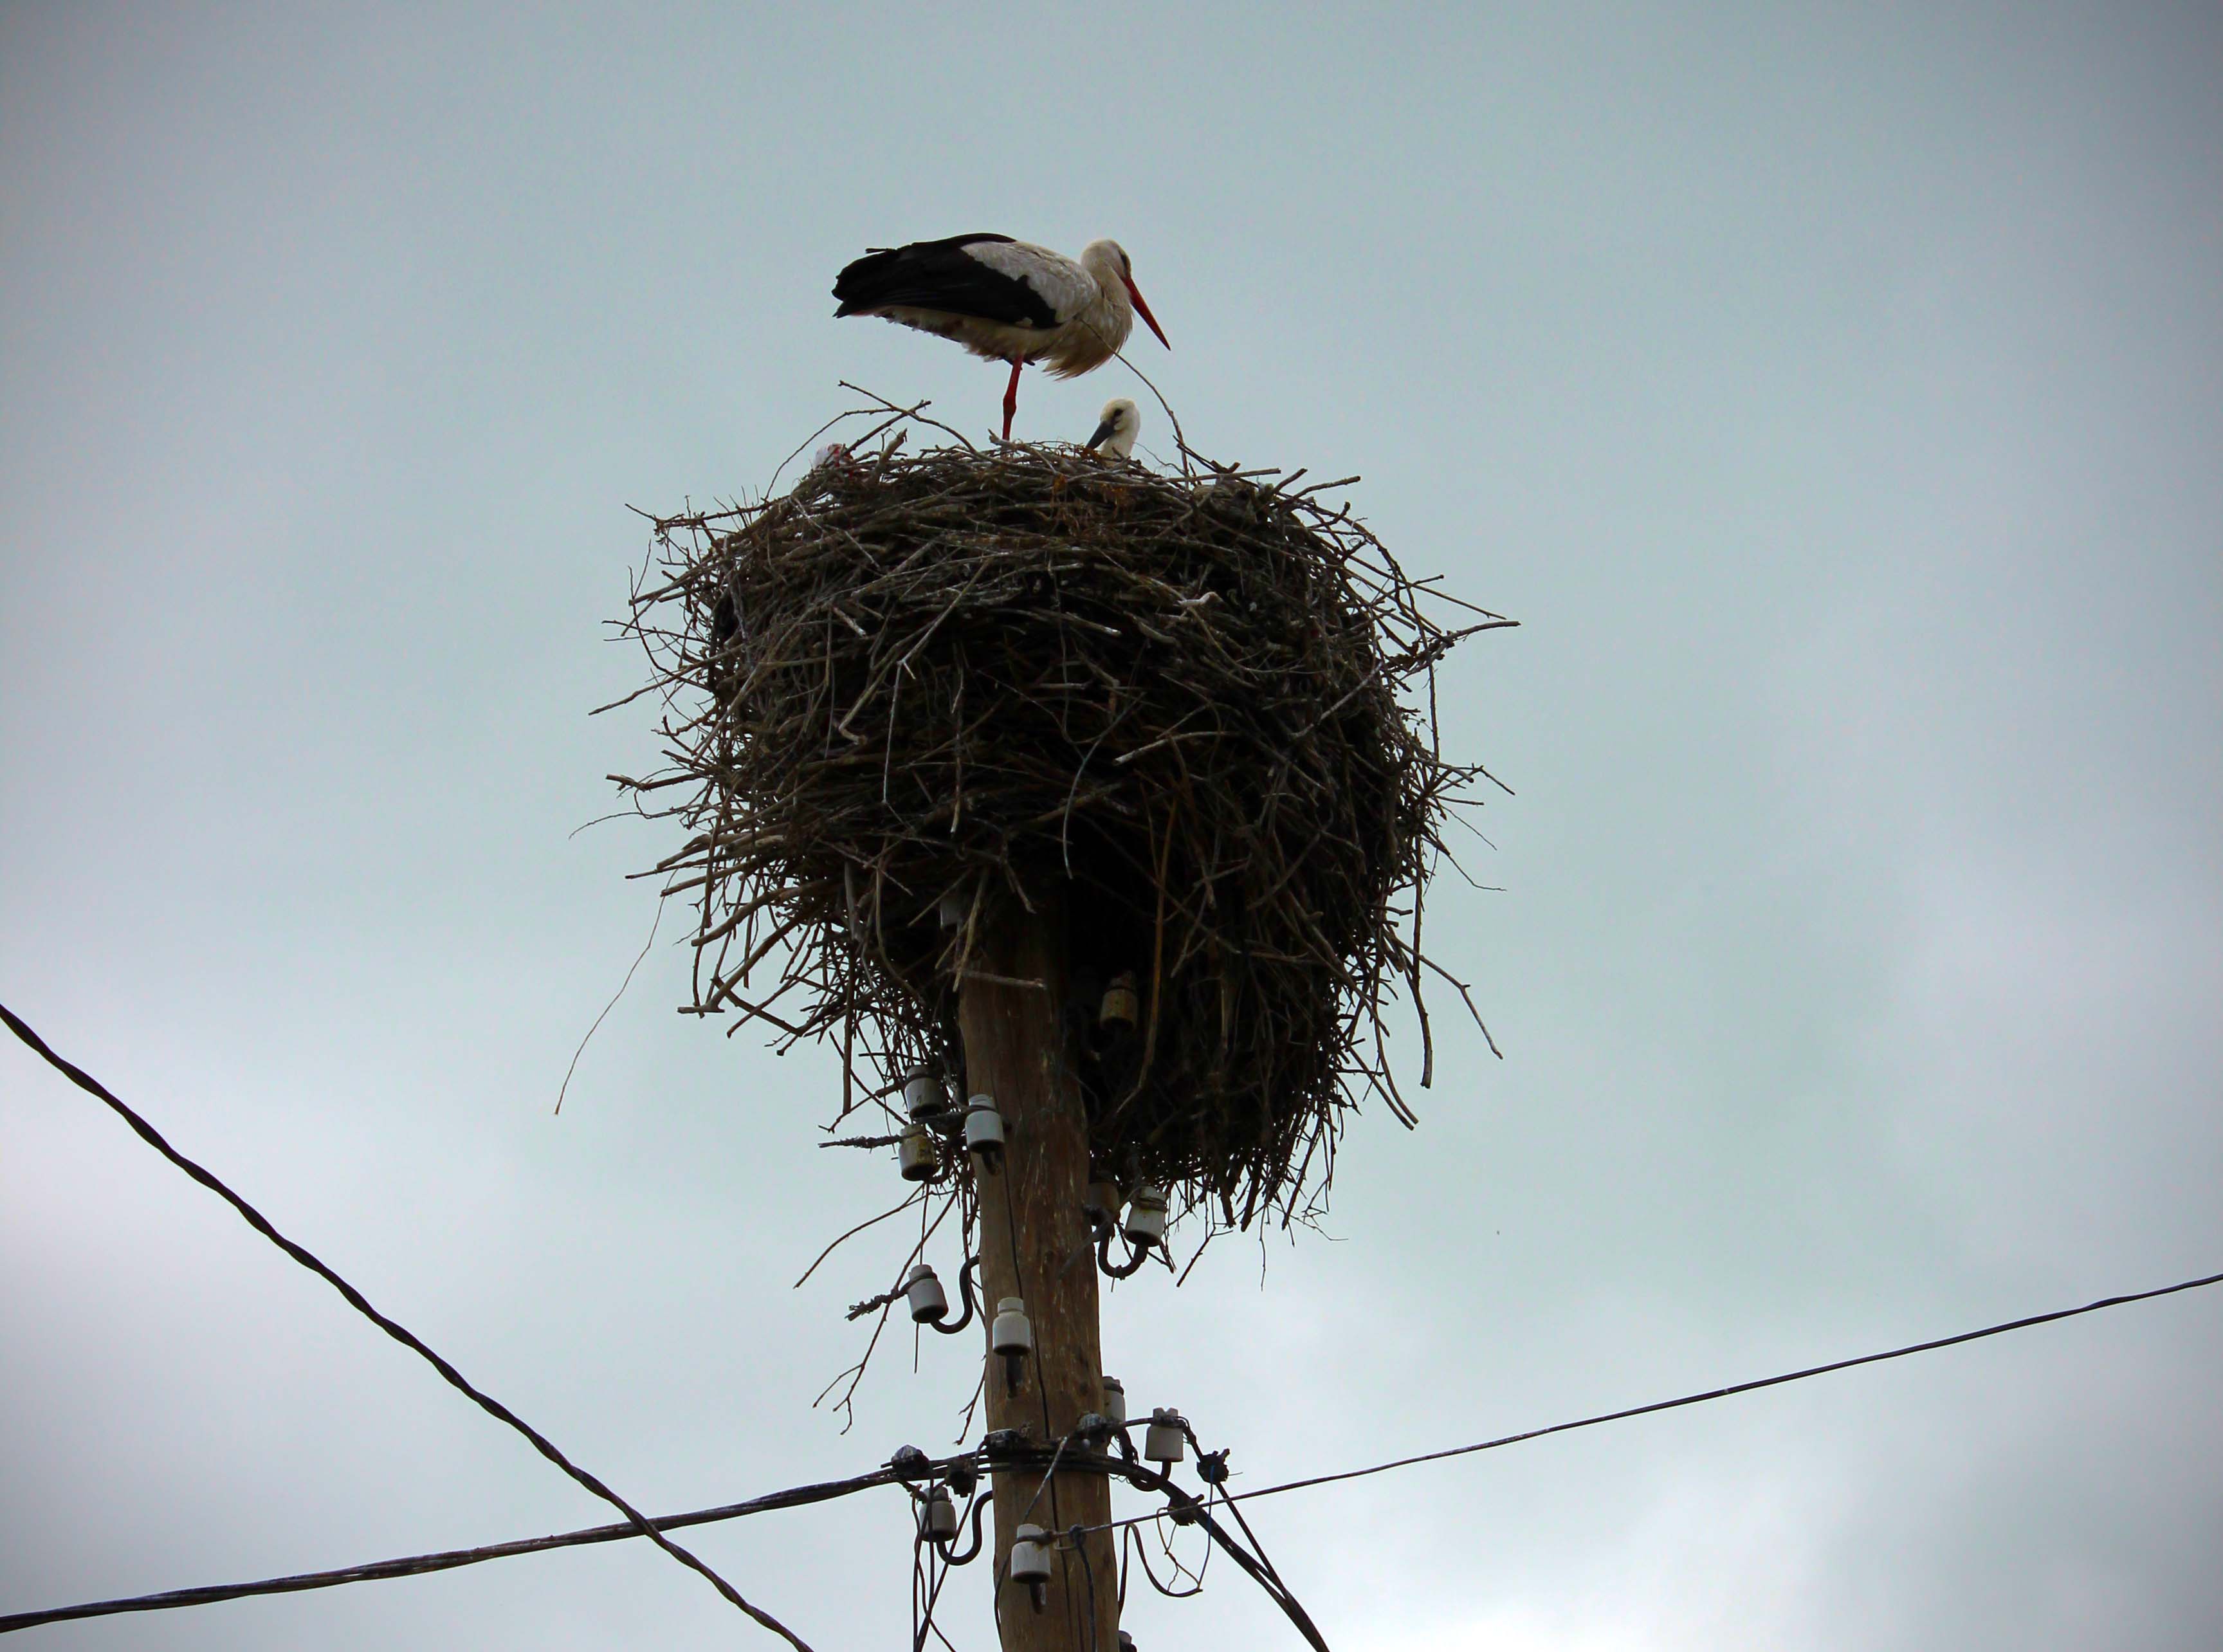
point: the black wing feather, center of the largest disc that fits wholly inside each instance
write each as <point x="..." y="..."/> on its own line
<point x="940" y="275"/>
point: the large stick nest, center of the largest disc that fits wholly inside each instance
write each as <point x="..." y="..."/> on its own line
<point x="1194" y="713"/>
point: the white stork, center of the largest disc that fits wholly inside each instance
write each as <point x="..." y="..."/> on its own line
<point x="1005" y="300"/>
<point x="1117" y="428"/>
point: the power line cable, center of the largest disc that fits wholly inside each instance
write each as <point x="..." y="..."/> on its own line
<point x="1186" y="1509"/>
<point x="794" y="1496"/>
<point x="413" y="1566"/>
<point x="1715" y="1393"/>
<point x="448" y="1560"/>
<point x="400" y="1334"/>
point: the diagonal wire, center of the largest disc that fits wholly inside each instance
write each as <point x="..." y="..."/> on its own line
<point x="413" y="1566"/>
<point x="1934" y="1344"/>
<point x="400" y="1334"/>
<point x="639" y="1525"/>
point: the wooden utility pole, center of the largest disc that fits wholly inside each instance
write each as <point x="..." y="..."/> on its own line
<point x="1035" y="1246"/>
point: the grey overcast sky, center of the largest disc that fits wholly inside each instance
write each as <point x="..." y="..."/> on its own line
<point x="1835" y="393"/>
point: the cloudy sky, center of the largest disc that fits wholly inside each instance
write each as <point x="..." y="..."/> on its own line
<point x="1837" y="396"/>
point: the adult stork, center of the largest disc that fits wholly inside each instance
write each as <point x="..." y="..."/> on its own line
<point x="1004" y="299"/>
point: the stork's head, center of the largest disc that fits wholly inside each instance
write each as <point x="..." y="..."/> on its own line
<point x="1108" y="261"/>
<point x="1117" y="428"/>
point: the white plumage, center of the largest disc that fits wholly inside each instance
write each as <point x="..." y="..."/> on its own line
<point x="1117" y="428"/>
<point x="1004" y="299"/>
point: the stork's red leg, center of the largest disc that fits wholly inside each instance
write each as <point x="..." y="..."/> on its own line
<point x="1012" y="399"/>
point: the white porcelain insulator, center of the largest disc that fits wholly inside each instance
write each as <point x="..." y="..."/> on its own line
<point x="1163" y="1442"/>
<point x="1145" y="1223"/>
<point x="1030" y="1555"/>
<point x="937" y="1516"/>
<point x="984" y="1125"/>
<point x="1011" y="1333"/>
<point x="923" y="1290"/>
<point x="922" y="1094"/>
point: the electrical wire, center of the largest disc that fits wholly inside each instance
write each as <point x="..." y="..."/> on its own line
<point x="254" y="1219"/>
<point x="1080" y="1541"/>
<point x="1143" y="1554"/>
<point x="934" y="1593"/>
<point x="1275" y="1592"/>
<point x="1183" y="1504"/>
<point x="448" y="1560"/>
<point x="1235" y="1507"/>
<point x="1211" y="1468"/>
<point x="983" y="1500"/>
<point x="1187" y="1509"/>
<point x="937" y="1573"/>
<point x="1715" y="1393"/>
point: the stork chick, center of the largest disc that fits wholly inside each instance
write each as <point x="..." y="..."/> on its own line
<point x="1117" y="428"/>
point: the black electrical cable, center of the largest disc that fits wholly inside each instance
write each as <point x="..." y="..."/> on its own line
<point x="415" y="1565"/>
<point x="974" y="1512"/>
<point x="934" y="1596"/>
<point x="1143" y="1554"/>
<point x="1910" y="1348"/>
<point x="922" y="1623"/>
<point x="448" y="1560"/>
<point x="1261" y="1571"/>
<point x="930" y="1626"/>
<point x="1049" y="1473"/>
<point x="1235" y="1507"/>
<point x="1209" y="1549"/>
<point x="1137" y="1256"/>
<point x="947" y="1325"/>
<point x="1079" y="1540"/>
<point x="1188" y="1507"/>
<point x="1211" y="1466"/>
<point x="254" y="1219"/>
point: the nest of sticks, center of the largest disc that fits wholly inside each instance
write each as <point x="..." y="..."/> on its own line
<point x="1194" y="713"/>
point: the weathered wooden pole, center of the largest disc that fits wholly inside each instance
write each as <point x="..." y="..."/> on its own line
<point x="1035" y="1246"/>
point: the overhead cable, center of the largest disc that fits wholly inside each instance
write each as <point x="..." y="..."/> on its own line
<point x="1184" y="1507"/>
<point x="400" y="1334"/>
<point x="1710" y="1394"/>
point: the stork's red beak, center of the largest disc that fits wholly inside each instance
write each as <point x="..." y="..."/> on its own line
<point x="1144" y="310"/>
